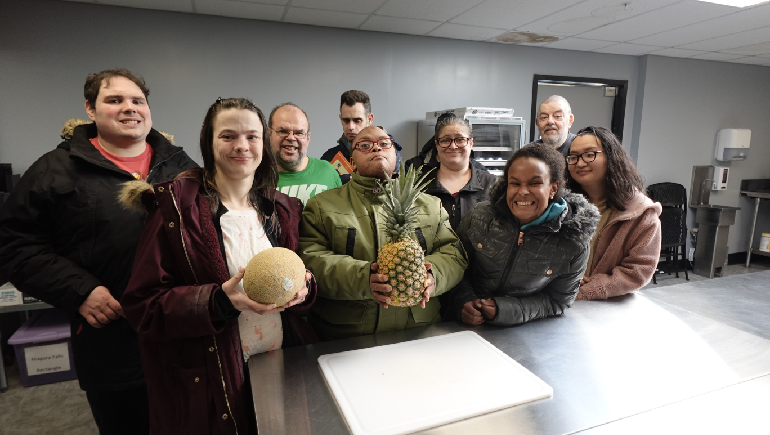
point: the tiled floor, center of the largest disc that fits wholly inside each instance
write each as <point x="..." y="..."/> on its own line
<point x="62" y="408"/>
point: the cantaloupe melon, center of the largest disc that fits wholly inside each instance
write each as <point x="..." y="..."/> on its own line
<point x="274" y="276"/>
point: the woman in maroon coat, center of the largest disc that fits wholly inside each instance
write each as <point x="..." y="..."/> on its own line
<point x="184" y="296"/>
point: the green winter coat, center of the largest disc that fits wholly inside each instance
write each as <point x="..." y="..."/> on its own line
<point x="339" y="236"/>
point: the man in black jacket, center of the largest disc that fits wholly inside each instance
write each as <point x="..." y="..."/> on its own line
<point x="66" y="240"/>
<point x="355" y="115"/>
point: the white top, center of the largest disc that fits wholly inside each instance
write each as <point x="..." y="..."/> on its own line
<point x="244" y="237"/>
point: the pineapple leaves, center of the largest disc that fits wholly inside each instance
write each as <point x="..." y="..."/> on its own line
<point x="401" y="194"/>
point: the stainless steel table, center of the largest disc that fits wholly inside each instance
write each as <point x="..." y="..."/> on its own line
<point x="607" y="361"/>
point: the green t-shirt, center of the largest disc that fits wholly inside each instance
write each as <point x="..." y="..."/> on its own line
<point x="319" y="175"/>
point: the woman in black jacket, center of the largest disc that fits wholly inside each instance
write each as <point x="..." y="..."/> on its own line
<point x="527" y="246"/>
<point x="457" y="180"/>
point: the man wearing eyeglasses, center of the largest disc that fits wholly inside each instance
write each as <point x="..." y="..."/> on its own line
<point x="554" y="119"/>
<point x="299" y="175"/>
<point x="355" y="115"/>
<point x="340" y="233"/>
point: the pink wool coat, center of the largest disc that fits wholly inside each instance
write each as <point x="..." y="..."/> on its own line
<point x="627" y="251"/>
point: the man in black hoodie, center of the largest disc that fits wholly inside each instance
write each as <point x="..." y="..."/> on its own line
<point x="355" y="115"/>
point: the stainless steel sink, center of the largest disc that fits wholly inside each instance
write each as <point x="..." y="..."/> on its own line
<point x="710" y="214"/>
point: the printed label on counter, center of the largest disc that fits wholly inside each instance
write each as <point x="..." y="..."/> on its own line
<point x="50" y="358"/>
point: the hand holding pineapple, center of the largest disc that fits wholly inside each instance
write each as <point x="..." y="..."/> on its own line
<point x="381" y="290"/>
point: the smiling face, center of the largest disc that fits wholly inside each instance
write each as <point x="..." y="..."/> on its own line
<point x="554" y="120"/>
<point x="529" y="189"/>
<point x="588" y="174"/>
<point x="374" y="163"/>
<point x="237" y="144"/>
<point x="452" y="157"/>
<point x="354" y="119"/>
<point x="290" y="151"/>
<point x="121" y="113"/>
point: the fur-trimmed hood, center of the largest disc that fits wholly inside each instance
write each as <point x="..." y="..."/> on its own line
<point x="67" y="131"/>
<point x="137" y="195"/>
<point x="578" y="221"/>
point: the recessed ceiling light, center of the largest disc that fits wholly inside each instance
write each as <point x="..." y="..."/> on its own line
<point x="736" y="3"/>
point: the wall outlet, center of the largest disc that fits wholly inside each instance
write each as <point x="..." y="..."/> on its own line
<point x="690" y="254"/>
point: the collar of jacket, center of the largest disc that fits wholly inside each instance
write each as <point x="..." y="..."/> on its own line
<point x="577" y="221"/>
<point x="367" y="186"/>
<point x="474" y="185"/>
<point x="80" y="146"/>
<point x="636" y="207"/>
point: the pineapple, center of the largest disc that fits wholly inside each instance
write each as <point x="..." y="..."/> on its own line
<point x="401" y="259"/>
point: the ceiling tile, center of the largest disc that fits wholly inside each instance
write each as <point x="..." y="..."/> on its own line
<point x="717" y="56"/>
<point x="658" y="20"/>
<point x="630" y="49"/>
<point x="589" y="15"/>
<point x="399" y="25"/>
<point x="506" y="14"/>
<point x="676" y="52"/>
<point x="752" y="60"/>
<point x="316" y="17"/>
<point x="435" y="10"/>
<point x="460" y="31"/>
<point x="355" y="6"/>
<point x="239" y="9"/>
<point x="579" y="44"/>
<point x="741" y="21"/>
<point x="164" y="5"/>
<point x="735" y="40"/>
<point x="752" y="49"/>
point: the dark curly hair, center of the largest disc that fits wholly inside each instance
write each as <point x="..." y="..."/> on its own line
<point x="266" y="176"/>
<point x="622" y="178"/>
<point x="547" y="154"/>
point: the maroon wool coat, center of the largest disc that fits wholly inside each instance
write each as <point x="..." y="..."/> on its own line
<point x="192" y="360"/>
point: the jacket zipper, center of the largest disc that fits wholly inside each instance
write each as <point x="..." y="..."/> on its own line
<point x="509" y="263"/>
<point x="216" y="348"/>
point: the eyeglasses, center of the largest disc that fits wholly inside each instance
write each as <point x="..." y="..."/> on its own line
<point x="366" y="146"/>
<point x="588" y="157"/>
<point x="283" y="133"/>
<point x="446" y="142"/>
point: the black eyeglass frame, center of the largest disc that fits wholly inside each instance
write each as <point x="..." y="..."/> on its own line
<point x="578" y="157"/>
<point x="285" y="133"/>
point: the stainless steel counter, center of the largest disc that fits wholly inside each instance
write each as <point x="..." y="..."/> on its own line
<point x="606" y="361"/>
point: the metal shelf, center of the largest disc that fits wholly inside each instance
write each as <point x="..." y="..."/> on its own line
<point x="758" y="252"/>
<point x="492" y="162"/>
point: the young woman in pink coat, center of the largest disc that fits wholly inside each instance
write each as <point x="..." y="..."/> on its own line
<point x="626" y="245"/>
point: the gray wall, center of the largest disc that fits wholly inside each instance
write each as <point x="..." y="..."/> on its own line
<point x="686" y="102"/>
<point x="48" y="47"/>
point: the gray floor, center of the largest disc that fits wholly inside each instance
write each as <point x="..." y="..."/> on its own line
<point x="62" y="408"/>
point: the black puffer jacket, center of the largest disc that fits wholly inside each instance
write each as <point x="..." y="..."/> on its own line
<point x="63" y="233"/>
<point x="536" y="279"/>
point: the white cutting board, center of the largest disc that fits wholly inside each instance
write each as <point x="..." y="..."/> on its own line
<point x="407" y="387"/>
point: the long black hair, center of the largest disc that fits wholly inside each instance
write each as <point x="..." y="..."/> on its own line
<point x="266" y="175"/>
<point x="622" y="178"/>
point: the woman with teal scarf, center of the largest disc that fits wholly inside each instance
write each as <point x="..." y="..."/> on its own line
<point x="527" y="246"/>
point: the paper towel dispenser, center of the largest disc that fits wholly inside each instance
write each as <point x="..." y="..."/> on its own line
<point x="732" y="144"/>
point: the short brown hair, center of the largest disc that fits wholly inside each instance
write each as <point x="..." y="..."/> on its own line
<point x="350" y="98"/>
<point x="94" y="83"/>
